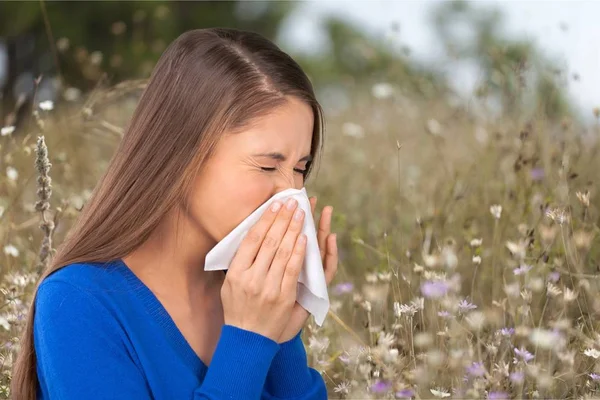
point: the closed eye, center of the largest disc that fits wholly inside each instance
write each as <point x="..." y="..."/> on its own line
<point x="300" y="171"/>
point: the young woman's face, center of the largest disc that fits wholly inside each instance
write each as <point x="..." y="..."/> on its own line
<point x="249" y="167"/>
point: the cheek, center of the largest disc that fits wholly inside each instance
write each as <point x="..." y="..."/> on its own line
<point x="221" y="201"/>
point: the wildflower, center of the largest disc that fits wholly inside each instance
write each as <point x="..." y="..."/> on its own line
<point x="4" y="323"/>
<point x="318" y="344"/>
<point x="517" y="250"/>
<point x="537" y="174"/>
<point x="345" y="287"/>
<point x="522" y="270"/>
<point x="523" y="354"/>
<point x="464" y="305"/>
<point x="408" y="309"/>
<point x="512" y="289"/>
<point x="434" y="289"/>
<point x="12" y="173"/>
<point x="476" y="260"/>
<point x="476" y="369"/>
<point x="569" y="295"/>
<point x="405" y="394"/>
<point x="11" y="250"/>
<point x="595" y="377"/>
<point x="554" y="276"/>
<point x="507" y="331"/>
<point x="371" y="278"/>
<point x="7" y="130"/>
<point x="439" y="393"/>
<point x="366" y="305"/>
<point x="496" y="210"/>
<point x="444" y="314"/>
<point x="343" y="388"/>
<point x="517" y="377"/>
<point x="434" y="127"/>
<point x="381" y="387"/>
<point x="497" y="395"/>
<point x="476" y="242"/>
<point x="592" y="353"/>
<point x="353" y="130"/>
<point x="558" y="215"/>
<point x="553" y="290"/>
<point x="476" y="320"/>
<point x="584" y="198"/>
<point x="382" y="90"/>
<point x="345" y="357"/>
<point x="386" y="339"/>
<point x="47" y="105"/>
<point x="544" y="338"/>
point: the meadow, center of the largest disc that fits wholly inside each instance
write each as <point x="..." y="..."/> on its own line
<point x="468" y="240"/>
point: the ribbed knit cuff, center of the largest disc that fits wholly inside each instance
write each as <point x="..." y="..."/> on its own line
<point x="289" y="375"/>
<point x="240" y="363"/>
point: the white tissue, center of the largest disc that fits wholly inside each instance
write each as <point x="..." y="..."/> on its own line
<point x="312" y="288"/>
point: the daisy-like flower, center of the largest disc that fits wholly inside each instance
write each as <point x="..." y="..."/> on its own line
<point x="553" y="290"/>
<point x="476" y="369"/>
<point x="476" y="260"/>
<point x="523" y="354"/>
<point x="464" y="306"/>
<point x="434" y="289"/>
<point x="381" y="386"/>
<point x="522" y="270"/>
<point x="7" y="130"/>
<point x="592" y="353"/>
<point x="343" y="388"/>
<point x="11" y="250"/>
<point x="440" y="393"/>
<point x="496" y="210"/>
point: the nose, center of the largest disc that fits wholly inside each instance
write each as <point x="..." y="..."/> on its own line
<point x="287" y="182"/>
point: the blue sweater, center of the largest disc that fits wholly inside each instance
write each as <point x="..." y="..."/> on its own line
<point x="100" y="333"/>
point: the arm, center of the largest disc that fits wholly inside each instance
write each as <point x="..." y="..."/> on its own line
<point x="290" y="377"/>
<point x="81" y="353"/>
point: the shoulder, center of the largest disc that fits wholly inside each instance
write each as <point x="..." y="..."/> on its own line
<point x="79" y="290"/>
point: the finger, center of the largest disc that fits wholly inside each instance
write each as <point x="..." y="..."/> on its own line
<point x="294" y="266"/>
<point x="251" y="243"/>
<point x="273" y="239"/>
<point x="313" y="204"/>
<point x="324" y="230"/>
<point x="284" y="252"/>
<point x="331" y="258"/>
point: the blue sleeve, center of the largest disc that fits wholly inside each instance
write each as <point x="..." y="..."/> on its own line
<point x="290" y="377"/>
<point x="75" y="334"/>
<point x="79" y="348"/>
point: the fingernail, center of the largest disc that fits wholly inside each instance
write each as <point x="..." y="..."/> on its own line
<point x="298" y="214"/>
<point x="275" y="206"/>
<point x="302" y="238"/>
<point x="291" y="203"/>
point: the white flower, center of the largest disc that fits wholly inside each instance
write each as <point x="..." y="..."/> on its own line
<point x="343" y="387"/>
<point x="476" y="260"/>
<point x="382" y="90"/>
<point x="592" y="353"/>
<point x="496" y="210"/>
<point x="569" y="295"/>
<point x="476" y="242"/>
<point x="434" y="127"/>
<point x="353" y="130"/>
<point x="47" y="105"/>
<point x="12" y="173"/>
<point x="584" y="198"/>
<point x="7" y="130"/>
<point x="4" y="323"/>
<point x="318" y="344"/>
<point x="11" y="250"/>
<point x="439" y="393"/>
<point x="544" y="338"/>
<point x="553" y="290"/>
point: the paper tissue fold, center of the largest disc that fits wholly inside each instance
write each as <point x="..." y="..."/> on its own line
<point x="312" y="288"/>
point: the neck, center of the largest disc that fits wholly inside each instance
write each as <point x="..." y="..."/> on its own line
<point x="171" y="261"/>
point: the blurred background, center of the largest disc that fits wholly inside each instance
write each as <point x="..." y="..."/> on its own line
<point x="461" y="153"/>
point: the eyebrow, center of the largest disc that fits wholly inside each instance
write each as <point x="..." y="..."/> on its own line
<point x="280" y="157"/>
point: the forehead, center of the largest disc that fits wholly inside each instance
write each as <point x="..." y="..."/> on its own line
<point x="289" y="129"/>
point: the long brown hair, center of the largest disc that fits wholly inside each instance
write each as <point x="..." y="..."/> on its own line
<point x="207" y="81"/>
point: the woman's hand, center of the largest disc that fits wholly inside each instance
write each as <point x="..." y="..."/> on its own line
<point x="329" y="255"/>
<point x="259" y="291"/>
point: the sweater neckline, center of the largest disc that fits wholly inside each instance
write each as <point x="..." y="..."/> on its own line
<point x="157" y="311"/>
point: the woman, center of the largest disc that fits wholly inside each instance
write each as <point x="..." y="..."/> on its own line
<point x="126" y="310"/>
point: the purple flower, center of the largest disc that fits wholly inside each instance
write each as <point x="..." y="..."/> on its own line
<point x="553" y="276"/>
<point x="507" y="331"/>
<point x="497" y="395"/>
<point x="523" y="269"/>
<point x="476" y="369"/>
<point x="344" y="287"/>
<point x="434" y="289"/>
<point x="345" y="358"/>
<point x="517" y="377"/>
<point x="595" y="377"/>
<point x="537" y="174"/>
<point x="444" y="314"/>
<point x="464" y="305"/>
<point x="405" y="394"/>
<point x="381" y="387"/>
<point x="524" y="354"/>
